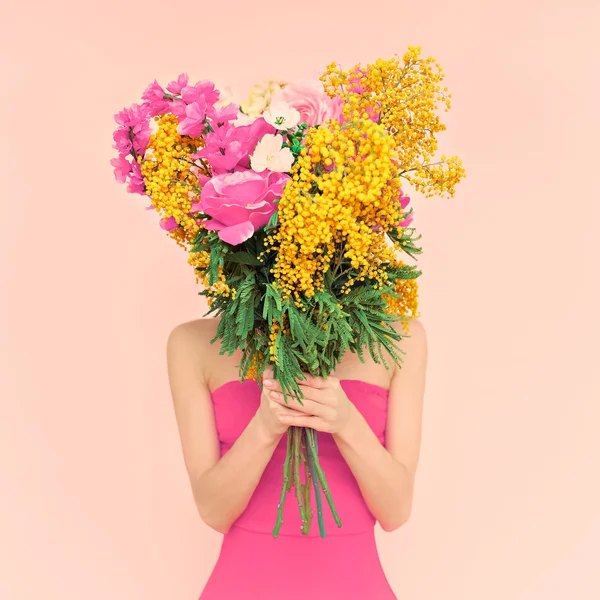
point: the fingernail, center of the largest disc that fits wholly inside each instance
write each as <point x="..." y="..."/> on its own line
<point x="267" y="382"/>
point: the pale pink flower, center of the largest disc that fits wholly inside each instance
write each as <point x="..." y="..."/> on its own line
<point x="269" y="154"/>
<point x="282" y="116"/>
<point x="311" y="101"/>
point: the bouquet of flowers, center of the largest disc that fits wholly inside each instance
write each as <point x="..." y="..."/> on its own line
<point x="292" y="212"/>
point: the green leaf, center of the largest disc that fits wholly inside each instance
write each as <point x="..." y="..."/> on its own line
<point x="243" y="258"/>
<point x="272" y="221"/>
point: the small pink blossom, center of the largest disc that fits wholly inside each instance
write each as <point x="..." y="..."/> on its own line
<point x="141" y="136"/>
<point x="154" y="96"/>
<point x="311" y="101"/>
<point x="194" y="122"/>
<point x="122" y="168"/>
<point x="175" y="87"/>
<point x="136" y="181"/>
<point x="224" y="114"/>
<point x="201" y="91"/>
<point x="122" y="140"/>
<point x="133" y="115"/>
<point x="404" y="202"/>
<point x="168" y="224"/>
<point x="228" y="147"/>
<point x="241" y="202"/>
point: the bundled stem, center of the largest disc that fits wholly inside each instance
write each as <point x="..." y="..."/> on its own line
<point x="302" y="455"/>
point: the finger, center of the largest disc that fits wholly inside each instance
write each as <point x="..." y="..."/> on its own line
<point x="308" y="407"/>
<point x="319" y="383"/>
<point x="271" y="384"/>
<point x="307" y="393"/>
<point x="283" y="410"/>
<point x="305" y="421"/>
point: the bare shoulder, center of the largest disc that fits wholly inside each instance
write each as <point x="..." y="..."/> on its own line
<point x="198" y="332"/>
<point x="414" y="341"/>
<point x="189" y="346"/>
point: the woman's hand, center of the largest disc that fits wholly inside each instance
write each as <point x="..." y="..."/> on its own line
<point x="325" y="406"/>
<point x="270" y="412"/>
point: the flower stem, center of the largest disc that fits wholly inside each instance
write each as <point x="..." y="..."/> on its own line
<point x="306" y="488"/>
<point x="285" y="487"/>
<point x="323" y="482"/>
<point x="311" y="441"/>
<point x="296" y="470"/>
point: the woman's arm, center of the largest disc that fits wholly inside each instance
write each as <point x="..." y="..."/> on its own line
<point x="385" y="475"/>
<point x="223" y="486"/>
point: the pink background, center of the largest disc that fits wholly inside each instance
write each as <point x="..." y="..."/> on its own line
<point x="95" y="502"/>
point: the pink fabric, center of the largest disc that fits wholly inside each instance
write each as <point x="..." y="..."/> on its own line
<point x="254" y="565"/>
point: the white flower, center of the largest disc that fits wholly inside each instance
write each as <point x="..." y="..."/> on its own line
<point x="282" y="116"/>
<point x="260" y="96"/>
<point x="269" y="154"/>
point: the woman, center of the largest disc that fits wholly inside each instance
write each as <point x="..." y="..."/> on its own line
<point x="232" y="436"/>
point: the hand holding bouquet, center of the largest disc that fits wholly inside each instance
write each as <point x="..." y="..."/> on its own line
<point x="294" y="218"/>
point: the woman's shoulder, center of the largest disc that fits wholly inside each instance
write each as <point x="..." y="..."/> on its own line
<point x="197" y="328"/>
<point x="193" y="337"/>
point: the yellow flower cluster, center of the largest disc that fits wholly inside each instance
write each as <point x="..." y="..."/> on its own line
<point x="170" y="183"/>
<point x="403" y="97"/>
<point x="407" y="306"/>
<point x="258" y="358"/>
<point x="275" y="329"/>
<point x="341" y="199"/>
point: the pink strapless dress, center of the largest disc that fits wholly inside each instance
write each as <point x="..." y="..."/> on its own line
<point x="253" y="565"/>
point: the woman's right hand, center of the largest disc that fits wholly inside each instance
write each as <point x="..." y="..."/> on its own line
<point x="269" y="412"/>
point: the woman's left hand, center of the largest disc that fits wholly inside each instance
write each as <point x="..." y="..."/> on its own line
<point x="325" y="406"/>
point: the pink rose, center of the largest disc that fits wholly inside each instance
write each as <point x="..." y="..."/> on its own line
<point x="311" y="101"/>
<point x="241" y="202"/>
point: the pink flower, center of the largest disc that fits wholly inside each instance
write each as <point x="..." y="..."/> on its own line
<point x="311" y="101"/>
<point x="168" y="224"/>
<point x="122" y="168"/>
<point x="134" y="115"/>
<point x="404" y="201"/>
<point x="224" y="114"/>
<point x="405" y="222"/>
<point x="141" y="136"/>
<point x="229" y="147"/>
<point x="204" y="90"/>
<point x="194" y="122"/>
<point x="136" y="181"/>
<point x="154" y="97"/>
<point x="241" y="202"/>
<point x="122" y="140"/>
<point x="134" y="123"/>
<point x="175" y="87"/>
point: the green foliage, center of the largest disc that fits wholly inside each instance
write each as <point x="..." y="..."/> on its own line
<point x="319" y="330"/>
